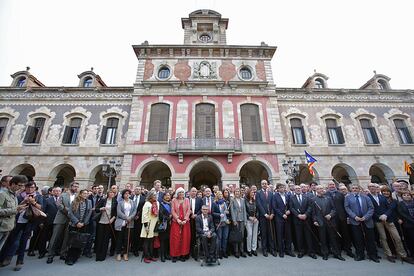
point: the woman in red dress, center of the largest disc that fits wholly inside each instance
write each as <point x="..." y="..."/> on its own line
<point x="180" y="234"/>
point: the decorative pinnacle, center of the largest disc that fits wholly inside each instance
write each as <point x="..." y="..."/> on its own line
<point x="27" y="68"/>
<point x="91" y="68"/>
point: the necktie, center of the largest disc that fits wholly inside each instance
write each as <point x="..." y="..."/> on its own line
<point x="359" y="206"/>
<point x="300" y="200"/>
<point x="266" y="194"/>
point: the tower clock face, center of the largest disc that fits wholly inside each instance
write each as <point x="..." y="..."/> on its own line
<point x="205" y="37"/>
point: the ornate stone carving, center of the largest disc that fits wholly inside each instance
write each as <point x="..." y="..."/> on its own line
<point x="16" y="135"/>
<point x="386" y="135"/>
<point x="315" y="135"/>
<point x="53" y="137"/>
<point x="205" y="70"/>
<point x="351" y="135"/>
<point x="91" y="136"/>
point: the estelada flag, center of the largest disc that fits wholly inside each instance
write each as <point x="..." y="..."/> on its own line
<point x="311" y="161"/>
<point x="407" y="168"/>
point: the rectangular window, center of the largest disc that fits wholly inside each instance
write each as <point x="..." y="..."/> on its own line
<point x="3" y="125"/>
<point x="159" y="120"/>
<point x="403" y="132"/>
<point x="370" y="135"/>
<point x="109" y="131"/>
<point x="335" y="135"/>
<point x="71" y="134"/>
<point x="298" y="132"/>
<point x="250" y="119"/>
<point x="34" y="133"/>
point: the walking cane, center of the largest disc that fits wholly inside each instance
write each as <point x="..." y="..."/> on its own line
<point x="110" y="225"/>
<point x="129" y="237"/>
<point x="328" y="221"/>
<point x="310" y="230"/>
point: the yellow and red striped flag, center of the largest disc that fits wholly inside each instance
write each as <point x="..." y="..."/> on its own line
<point x="407" y="168"/>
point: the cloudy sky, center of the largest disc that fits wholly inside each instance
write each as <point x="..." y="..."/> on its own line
<point x="346" y="40"/>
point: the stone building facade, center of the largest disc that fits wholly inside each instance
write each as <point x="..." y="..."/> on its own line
<point x="203" y="113"/>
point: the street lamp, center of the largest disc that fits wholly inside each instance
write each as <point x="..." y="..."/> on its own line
<point x="291" y="169"/>
<point x="111" y="169"/>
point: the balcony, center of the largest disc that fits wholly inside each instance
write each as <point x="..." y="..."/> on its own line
<point x="204" y="145"/>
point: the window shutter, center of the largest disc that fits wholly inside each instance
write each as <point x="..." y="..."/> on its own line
<point x="103" y="135"/>
<point x="406" y="133"/>
<point x="28" y="138"/>
<point x="341" y="138"/>
<point x="251" y="127"/>
<point x="205" y="121"/>
<point x="158" y="128"/>
<point x="66" y="135"/>
<point x="3" y="125"/>
<point x="39" y="124"/>
<point x="374" y="136"/>
<point x="302" y="130"/>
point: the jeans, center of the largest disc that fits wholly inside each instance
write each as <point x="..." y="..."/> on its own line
<point x="252" y="229"/>
<point x="3" y="238"/>
<point x="222" y="236"/>
<point x="17" y="241"/>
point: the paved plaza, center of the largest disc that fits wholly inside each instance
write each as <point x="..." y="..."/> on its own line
<point x="231" y="266"/>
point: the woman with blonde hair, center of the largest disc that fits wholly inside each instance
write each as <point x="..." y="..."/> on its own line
<point x="180" y="234"/>
<point x="221" y="217"/>
<point x="150" y="212"/>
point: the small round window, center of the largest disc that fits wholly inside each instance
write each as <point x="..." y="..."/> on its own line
<point x="246" y="73"/>
<point x="164" y="73"/>
<point x="205" y="38"/>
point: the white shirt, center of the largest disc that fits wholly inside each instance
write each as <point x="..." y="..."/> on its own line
<point x="105" y="217"/>
<point x="72" y="197"/>
<point x="283" y="198"/>
<point x="205" y="224"/>
<point x="299" y="197"/>
<point x="376" y="198"/>
<point x="127" y="210"/>
<point x="192" y="204"/>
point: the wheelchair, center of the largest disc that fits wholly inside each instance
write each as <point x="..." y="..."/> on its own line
<point x="200" y="254"/>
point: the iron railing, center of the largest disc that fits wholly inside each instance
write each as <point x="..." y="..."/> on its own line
<point x="204" y="144"/>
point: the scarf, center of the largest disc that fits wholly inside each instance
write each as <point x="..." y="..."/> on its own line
<point x="154" y="209"/>
<point x="410" y="207"/>
<point x="167" y="207"/>
<point x="220" y="201"/>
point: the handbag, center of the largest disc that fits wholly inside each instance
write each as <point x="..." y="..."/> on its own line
<point x="78" y="239"/>
<point x="235" y="235"/>
<point x="157" y="243"/>
<point x="32" y="214"/>
<point x="162" y="226"/>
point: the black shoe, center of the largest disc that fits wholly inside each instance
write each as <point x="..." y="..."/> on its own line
<point x="265" y="254"/>
<point x="111" y="254"/>
<point x="243" y="255"/>
<point x="225" y="255"/>
<point x="182" y="258"/>
<point x="374" y="259"/>
<point x="290" y="253"/>
<point x="254" y="252"/>
<point x="359" y="258"/>
<point x="41" y="255"/>
<point x="300" y="255"/>
<point x="174" y="259"/>
<point x="237" y="255"/>
<point x="69" y="262"/>
<point x="391" y="259"/>
<point x="350" y="254"/>
<point x="281" y="255"/>
<point x="273" y="253"/>
<point x="168" y="257"/>
<point x="162" y="259"/>
<point x="249" y="253"/>
<point x="339" y="257"/>
<point x="407" y="260"/>
<point x="325" y="257"/>
<point x="49" y="260"/>
<point x="136" y="253"/>
<point x="31" y="253"/>
<point x="88" y="255"/>
<point x="313" y="256"/>
<point x="62" y="258"/>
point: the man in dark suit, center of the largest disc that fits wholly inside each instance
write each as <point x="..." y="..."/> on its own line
<point x="338" y="200"/>
<point x="266" y="215"/>
<point x="323" y="214"/>
<point x="208" y="200"/>
<point x="384" y="222"/>
<point x="280" y="205"/>
<point x="206" y="231"/>
<point x="139" y="200"/>
<point x="95" y="197"/>
<point x="360" y="211"/>
<point x="195" y="207"/>
<point x="301" y="210"/>
<point x="50" y="209"/>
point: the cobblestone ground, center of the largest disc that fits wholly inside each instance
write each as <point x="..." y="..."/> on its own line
<point x="231" y="266"/>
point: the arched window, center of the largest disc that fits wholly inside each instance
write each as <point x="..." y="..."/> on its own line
<point x="298" y="133"/>
<point x="87" y="82"/>
<point x="251" y="122"/>
<point x="246" y="73"/>
<point x="335" y="135"/>
<point x="34" y="132"/>
<point x="109" y="131"/>
<point x="3" y="126"/>
<point x="21" y="82"/>
<point x="205" y="121"/>
<point x="319" y="83"/>
<point x="164" y="73"/>
<point x="382" y="84"/>
<point x="71" y="134"/>
<point x="158" y="126"/>
<point x="403" y="132"/>
<point x="370" y="134"/>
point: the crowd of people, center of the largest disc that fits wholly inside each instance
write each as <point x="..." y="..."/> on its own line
<point x="293" y="220"/>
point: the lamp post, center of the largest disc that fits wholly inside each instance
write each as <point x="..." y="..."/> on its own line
<point x="291" y="169"/>
<point x="111" y="169"/>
